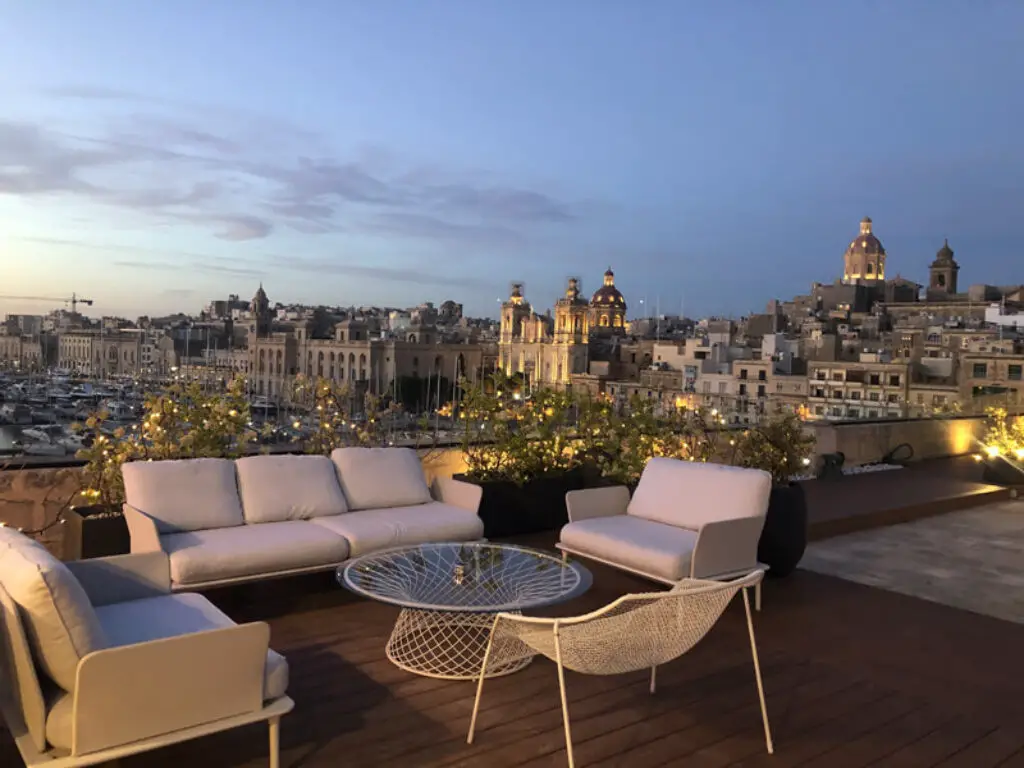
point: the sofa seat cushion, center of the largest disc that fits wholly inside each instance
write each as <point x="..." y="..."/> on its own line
<point x="371" y="530"/>
<point x="250" y="550"/>
<point x="184" y="494"/>
<point x="688" y="494"/>
<point x="60" y="622"/>
<point x="381" y="478"/>
<point x="279" y="488"/>
<point x="156" y="618"/>
<point x="657" y="549"/>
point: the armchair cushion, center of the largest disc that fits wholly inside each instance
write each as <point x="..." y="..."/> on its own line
<point x="374" y="529"/>
<point x="231" y="553"/>
<point x="60" y="622"/>
<point x="379" y="478"/>
<point x="156" y="618"/>
<point x="279" y="488"/>
<point x="641" y="545"/>
<point x="688" y="494"/>
<point x="186" y="494"/>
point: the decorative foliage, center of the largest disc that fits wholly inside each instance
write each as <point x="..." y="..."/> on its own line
<point x="338" y="420"/>
<point x="780" y="445"/>
<point x="1004" y="435"/>
<point x="182" y="423"/>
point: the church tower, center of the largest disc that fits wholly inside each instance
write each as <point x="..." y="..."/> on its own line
<point x="864" y="260"/>
<point x="260" y="310"/>
<point x="571" y="321"/>
<point x="513" y="313"/>
<point x="942" y="275"/>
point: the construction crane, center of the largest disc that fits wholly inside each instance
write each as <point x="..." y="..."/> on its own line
<point x="74" y="301"/>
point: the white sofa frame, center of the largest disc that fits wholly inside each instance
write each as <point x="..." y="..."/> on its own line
<point x="145" y="537"/>
<point x="136" y="698"/>
<point x="714" y="540"/>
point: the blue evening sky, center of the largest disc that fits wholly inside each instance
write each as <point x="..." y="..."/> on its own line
<point x="156" y="154"/>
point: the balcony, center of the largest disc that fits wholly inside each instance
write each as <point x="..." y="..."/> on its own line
<point x="855" y="673"/>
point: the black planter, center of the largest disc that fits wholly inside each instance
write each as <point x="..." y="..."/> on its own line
<point x="999" y="471"/>
<point x="538" y="505"/>
<point x="103" y="531"/>
<point x="784" y="537"/>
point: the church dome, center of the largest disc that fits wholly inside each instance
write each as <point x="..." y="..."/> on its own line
<point x="608" y="295"/>
<point x="866" y="243"/>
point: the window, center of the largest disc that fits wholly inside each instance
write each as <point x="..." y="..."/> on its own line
<point x="893" y="398"/>
<point x="762" y="375"/>
<point x="873" y="396"/>
<point x="920" y="398"/>
<point x="855" y="395"/>
<point x="743" y="373"/>
<point x="721" y="387"/>
<point x="743" y="389"/>
<point x="875" y="379"/>
<point x="837" y="376"/>
<point x="819" y="410"/>
<point x="872" y="414"/>
<point x="819" y="375"/>
<point x="938" y="400"/>
<point x="819" y="392"/>
<point x="894" y="380"/>
<point x="837" y="394"/>
<point x="980" y="370"/>
<point x="760" y="390"/>
<point x="1013" y="373"/>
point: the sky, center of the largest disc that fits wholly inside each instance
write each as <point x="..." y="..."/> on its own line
<point x="717" y="154"/>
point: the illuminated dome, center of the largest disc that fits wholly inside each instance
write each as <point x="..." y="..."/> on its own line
<point x="866" y="243"/>
<point x="608" y="295"/>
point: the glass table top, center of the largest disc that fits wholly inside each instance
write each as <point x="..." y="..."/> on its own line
<point x="470" y="577"/>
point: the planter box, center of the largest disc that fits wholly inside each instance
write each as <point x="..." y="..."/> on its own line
<point x="784" y="537"/>
<point x="103" y="532"/>
<point x="999" y="471"/>
<point x="536" y="506"/>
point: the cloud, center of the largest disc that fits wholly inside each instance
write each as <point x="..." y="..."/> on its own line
<point x="195" y="266"/>
<point x="243" y="180"/>
<point x="376" y="272"/>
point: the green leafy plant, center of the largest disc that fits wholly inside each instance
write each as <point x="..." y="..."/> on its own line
<point x="780" y="445"/>
<point x="337" y="419"/>
<point x="184" y="422"/>
<point x="1004" y="435"/>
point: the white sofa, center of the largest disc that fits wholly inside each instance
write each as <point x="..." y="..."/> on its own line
<point x="99" y="660"/>
<point x="685" y="520"/>
<point x="223" y="522"/>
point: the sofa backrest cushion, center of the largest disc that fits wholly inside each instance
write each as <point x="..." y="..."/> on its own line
<point x="184" y="494"/>
<point x="279" y="488"/>
<point x="375" y="478"/>
<point x="58" y="617"/>
<point x="689" y="494"/>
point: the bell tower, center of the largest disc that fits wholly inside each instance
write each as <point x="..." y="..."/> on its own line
<point x="942" y="274"/>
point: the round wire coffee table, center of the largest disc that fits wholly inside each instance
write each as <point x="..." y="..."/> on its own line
<point x="450" y="594"/>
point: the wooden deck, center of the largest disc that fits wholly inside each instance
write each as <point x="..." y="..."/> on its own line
<point x="854" y="677"/>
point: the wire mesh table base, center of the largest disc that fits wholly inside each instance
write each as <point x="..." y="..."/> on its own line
<point x="448" y="644"/>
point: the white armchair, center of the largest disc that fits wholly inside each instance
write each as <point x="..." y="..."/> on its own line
<point x="133" y="667"/>
<point x="686" y="520"/>
<point x="636" y="632"/>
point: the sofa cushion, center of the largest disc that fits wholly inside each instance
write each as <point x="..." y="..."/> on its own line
<point x="184" y="494"/>
<point x="689" y="494"/>
<point x="379" y="478"/>
<point x="279" y="488"/>
<point x="371" y="530"/>
<point x="657" y="549"/>
<point x="60" y="621"/>
<point x="156" y="618"/>
<point x="250" y="550"/>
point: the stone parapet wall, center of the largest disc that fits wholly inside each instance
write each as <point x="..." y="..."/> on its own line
<point x="33" y="498"/>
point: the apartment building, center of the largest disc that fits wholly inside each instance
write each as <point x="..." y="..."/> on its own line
<point x="872" y="388"/>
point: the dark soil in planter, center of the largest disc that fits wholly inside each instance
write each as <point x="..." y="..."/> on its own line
<point x="104" y="531"/>
<point x="998" y="471"/>
<point x="538" y="505"/>
<point x="784" y="537"/>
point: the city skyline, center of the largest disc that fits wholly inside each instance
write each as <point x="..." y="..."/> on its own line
<point x="153" y="158"/>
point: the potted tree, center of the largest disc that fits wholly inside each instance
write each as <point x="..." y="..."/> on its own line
<point x="183" y="422"/>
<point x="782" y="447"/>
<point x="522" y="450"/>
<point x="1003" y="456"/>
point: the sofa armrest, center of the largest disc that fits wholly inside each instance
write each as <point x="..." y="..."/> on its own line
<point x="457" y="493"/>
<point x="597" y="502"/>
<point x="121" y="578"/>
<point x="133" y="692"/>
<point x="143" y="531"/>
<point x="726" y="547"/>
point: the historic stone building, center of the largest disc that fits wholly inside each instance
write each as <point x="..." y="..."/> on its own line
<point x="352" y="354"/>
<point x="548" y="350"/>
<point x="864" y="261"/>
<point x="100" y="353"/>
<point x="942" y="274"/>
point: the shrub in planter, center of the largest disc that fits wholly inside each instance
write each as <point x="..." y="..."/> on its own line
<point x="781" y="447"/>
<point x="1003" y="454"/>
<point x="184" y="422"/>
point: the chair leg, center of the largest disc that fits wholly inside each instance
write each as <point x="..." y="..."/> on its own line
<point x="757" y="674"/>
<point x="654" y="671"/>
<point x="275" y="742"/>
<point x="757" y="596"/>
<point x="565" y="703"/>
<point x="480" y="684"/>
